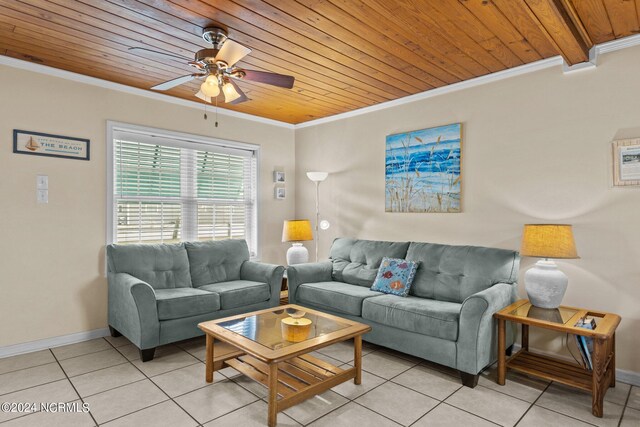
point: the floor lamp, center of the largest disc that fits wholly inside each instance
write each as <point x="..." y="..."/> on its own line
<point x="318" y="177"/>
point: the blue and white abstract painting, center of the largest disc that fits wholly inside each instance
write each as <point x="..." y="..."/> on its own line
<point x="422" y="170"/>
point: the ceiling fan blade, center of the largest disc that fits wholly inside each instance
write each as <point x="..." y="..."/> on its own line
<point x="176" y="82"/>
<point x="232" y="52"/>
<point x="236" y="98"/>
<point x="152" y="52"/>
<point x="274" y="79"/>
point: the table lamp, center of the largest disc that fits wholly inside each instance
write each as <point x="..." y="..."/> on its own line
<point x="544" y="283"/>
<point x="296" y="231"/>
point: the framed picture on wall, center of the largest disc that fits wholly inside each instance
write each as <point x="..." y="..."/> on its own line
<point x="280" y="193"/>
<point x="626" y="162"/>
<point x="278" y="177"/>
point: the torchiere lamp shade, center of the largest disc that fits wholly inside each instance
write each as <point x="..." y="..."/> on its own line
<point x="297" y="230"/>
<point x="548" y="241"/>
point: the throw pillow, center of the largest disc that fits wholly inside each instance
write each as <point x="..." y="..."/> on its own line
<point x="395" y="276"/>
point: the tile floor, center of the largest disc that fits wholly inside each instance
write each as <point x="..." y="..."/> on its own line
<point x="396" y="390"/>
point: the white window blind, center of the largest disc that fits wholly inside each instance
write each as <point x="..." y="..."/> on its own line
<point x="167" y="190"/>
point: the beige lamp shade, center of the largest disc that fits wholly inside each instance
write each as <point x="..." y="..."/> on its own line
<point x="548" y="241"/>
<point x="297" y="230"/>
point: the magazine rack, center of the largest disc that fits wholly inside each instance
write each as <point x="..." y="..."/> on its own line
<point x="562" y="319"/>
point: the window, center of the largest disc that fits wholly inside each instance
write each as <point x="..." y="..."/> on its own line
<point x="167" y="187"/>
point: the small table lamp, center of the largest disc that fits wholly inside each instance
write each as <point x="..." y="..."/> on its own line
<point x="296" y="231"/>
<point x="545" y="284"/>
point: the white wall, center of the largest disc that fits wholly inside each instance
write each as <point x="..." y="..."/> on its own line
<point x="536" y="148"/>
<point x="52" y="276"/>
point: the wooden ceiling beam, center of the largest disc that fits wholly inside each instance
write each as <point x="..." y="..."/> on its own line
<point x="562" y="26"/>
<point x="594" y="16"/>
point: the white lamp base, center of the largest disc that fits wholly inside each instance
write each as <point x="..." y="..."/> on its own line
<point x="545" y="284"/>
<point x="297" y="254"/>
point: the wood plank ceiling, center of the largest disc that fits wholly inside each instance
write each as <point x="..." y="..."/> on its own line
<point x="344" y="54"/>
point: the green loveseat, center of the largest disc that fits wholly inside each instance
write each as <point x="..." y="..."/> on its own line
<point x="159" y="293"/>
<point x="447" y="317"/>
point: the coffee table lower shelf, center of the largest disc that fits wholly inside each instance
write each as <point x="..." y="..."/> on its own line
<point x="551" y="369"/>
<point x="298" y="379"/>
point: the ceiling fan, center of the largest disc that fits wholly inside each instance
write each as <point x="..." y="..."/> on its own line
<point x="216" y="66"/>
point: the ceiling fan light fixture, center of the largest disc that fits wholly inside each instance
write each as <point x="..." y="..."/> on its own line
<point x="230" y="92"/>
<point x="203" y="96"/>
<point x="210" y="87"/>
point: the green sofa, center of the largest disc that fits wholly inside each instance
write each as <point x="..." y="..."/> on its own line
<point x="447" y="317"/>
<point x="159" y="293"/>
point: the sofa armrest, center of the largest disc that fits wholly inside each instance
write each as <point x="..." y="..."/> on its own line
<point x="307" y="273"/>
<point x="262" y="272"/>
<point x="133" y="311"/>
<point x="477" y="333"/>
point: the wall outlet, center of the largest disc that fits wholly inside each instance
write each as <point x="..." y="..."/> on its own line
<point x="42" y="196"/>
<point x="42" y="182"/>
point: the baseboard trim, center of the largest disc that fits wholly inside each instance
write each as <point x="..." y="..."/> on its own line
<point x="628" y="377"/>
<point x="43" y="344"/>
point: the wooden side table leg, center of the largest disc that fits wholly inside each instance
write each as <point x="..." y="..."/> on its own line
<point x="598" y="388"/>
<point x="613" y="361"/>
<point x="273" y="395"/>
<point x="209" y="357"/>
<point x="357" y="359"/>
<point x="502" y="362"/>
<point x="525" y="337"/>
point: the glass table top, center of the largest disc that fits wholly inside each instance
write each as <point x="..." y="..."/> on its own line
<point x="554" y="315"/>
<point x="267" y="328"/>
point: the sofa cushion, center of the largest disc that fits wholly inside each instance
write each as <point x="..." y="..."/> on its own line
<point x="452" y="273"/>
<point x="162" y="266"/>
<point x="185" y="302"/>
<point x="395" y="276"/>
<point x="238" y="293"/>
<point x="216" y="261"/>
<point x="357" y="261"/>
<point x="423" y="316"/>
<point x="336" y="296"/>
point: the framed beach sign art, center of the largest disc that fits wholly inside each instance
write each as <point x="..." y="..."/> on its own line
<point x="422" y="170"/>
<point x="44" y="144"/>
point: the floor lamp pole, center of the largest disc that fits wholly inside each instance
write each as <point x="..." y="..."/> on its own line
<point x="317" y="236"/>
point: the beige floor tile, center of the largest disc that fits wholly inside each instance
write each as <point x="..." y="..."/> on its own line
<point x="118" y="341"/>
<point x="229" y="372"/>
<point x="106" y="379"/>
<point x="315" y="407"/>
<point x="195" y="347"/>
<point x="253" y="415"/>
<point x="441" y="368"/>
<point x="328" y="359"/>
<point x="58" y="391"/>
<point x="385" y="365"/>
<point x="634" y="397"/>
<point x="81" y="348"/>
<point x="165" y="414"/>
<point x="342" y="351"/>
<point x="618" y="394"/>
<point x="517" y="385"/>
<point x="252" y="386"/>
<point x="92" y="362"/>
<point x="399" y="403"/>
<point x="577" y="404"/>
<point x="54" y="419"/>
<point x="25" y="378"/>
<point x="124" y="400"/>
<point x="351" y="391"/>
<point x="488" y="404"/>
<point x="401" y="355"/>
<point x="212" y="402"/>
<point x="353" y="415"/>
<point x="23" y="361"/>
<point x="631" y="418"/>
<point x="446" y="416"/>
<point x="165" y="362"/>
<point x="131" y="352"/>
<point x="184" y="380"/>
<point x="428" y="381"/>
<point x="537" y="416"/>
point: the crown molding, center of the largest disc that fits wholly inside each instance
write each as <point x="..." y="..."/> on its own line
<point x="478" y="81"/>
<point x="81" y="78"/>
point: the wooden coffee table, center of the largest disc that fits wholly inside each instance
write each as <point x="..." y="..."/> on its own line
<point x="255" y="345"/>
<point x="562" y="319"/>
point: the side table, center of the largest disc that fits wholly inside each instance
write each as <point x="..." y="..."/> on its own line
<point x="562" y="319"/>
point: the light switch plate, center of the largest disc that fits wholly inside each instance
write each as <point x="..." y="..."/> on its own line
<point x="42" y="196"/>
<point x="42" y="182"/>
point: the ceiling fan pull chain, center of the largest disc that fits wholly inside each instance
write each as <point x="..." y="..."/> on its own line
<point x="205" y="111"/>
<point x="216" y="111"/>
